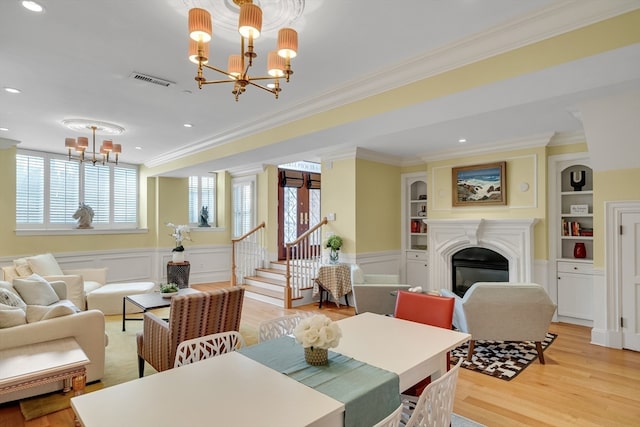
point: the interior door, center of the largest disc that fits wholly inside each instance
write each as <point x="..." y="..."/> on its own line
<point x="298" y="205"/>
<point x="630" y="266"/>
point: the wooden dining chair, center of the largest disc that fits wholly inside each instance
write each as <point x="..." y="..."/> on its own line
<point x="434" y="406"/>
<point x="278" y="327"/>
<point x="428" y="309"/>
<point x="201" y="348"/>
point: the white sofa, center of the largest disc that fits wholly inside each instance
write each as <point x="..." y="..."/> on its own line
<point x="87" y="288"/>
<point x="375" y="293"/>
<point x="502" y="311"/>
<point x="87" y="327"/>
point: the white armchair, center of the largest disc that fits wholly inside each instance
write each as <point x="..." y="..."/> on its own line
<point x="79" y="282"/>
<point x="375" y="293"/>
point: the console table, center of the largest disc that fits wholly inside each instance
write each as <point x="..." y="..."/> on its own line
<point x="178" y="273"/>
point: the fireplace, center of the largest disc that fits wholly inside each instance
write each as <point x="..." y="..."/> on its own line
<point x="510" y="238"/>
<point x="477" y="264"/>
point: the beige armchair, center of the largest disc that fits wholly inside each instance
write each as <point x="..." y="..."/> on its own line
<point x="191" y="316"/>
<point x="375" y="293"/>
<point x="503" y="312"/>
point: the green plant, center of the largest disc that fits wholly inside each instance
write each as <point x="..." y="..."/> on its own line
<point x="166" y="288"/>
<point x="334" y="242"/>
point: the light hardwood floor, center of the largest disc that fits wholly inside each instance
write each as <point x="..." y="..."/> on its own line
<point x="580" y="384"/>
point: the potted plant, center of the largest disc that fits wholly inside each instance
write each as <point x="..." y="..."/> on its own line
<point x="317" y="334"/>
<point x="180" y="234"/>
<point x="167" y="290"/>
<point x="334" y="243"/>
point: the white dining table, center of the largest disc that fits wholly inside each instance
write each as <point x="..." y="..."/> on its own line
<point x="233" y="389"/>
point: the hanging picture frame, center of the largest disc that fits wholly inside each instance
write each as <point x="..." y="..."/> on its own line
<point x="477" y="185"/>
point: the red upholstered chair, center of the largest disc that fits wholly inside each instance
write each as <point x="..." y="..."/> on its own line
<point x="429" y="309"/>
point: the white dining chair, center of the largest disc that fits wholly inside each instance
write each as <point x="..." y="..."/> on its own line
<point x="393" y="419"/>
<point x="434" y="406"/>
<point x="201" y="348"/>
<point x="278" y="327"/>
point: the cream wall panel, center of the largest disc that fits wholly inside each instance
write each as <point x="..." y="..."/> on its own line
<point x="338" y="196"/>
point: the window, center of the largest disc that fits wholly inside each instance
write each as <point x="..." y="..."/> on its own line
<point x="202" y="193"/>
<point x="243" y="205"/>
<point x="49" y="189"/>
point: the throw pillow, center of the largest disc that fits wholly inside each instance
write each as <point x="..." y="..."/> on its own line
<point x="10" y="298"/>
<point x="11" y="316"/>
<point x="459" y="319"/>
<point x="22" y="267"/>
<point x="35" y="292"/>
<point x="44" y="265"/>
<point x="36" y="313"/>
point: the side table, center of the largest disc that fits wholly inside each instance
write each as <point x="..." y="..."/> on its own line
<point x="178" y="273"/>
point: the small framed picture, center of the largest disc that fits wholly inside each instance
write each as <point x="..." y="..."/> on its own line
<point x="480" y="184"/>
<point x="579" y="209"/>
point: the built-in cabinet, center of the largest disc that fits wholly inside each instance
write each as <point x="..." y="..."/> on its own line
<point x="573" y="217"/>
<point x="414" y="230"/>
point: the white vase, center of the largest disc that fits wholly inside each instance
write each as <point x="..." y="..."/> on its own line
<point x="178" y="256"/>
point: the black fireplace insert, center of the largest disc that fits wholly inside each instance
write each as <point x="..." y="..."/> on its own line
<point x="477" y="264"/>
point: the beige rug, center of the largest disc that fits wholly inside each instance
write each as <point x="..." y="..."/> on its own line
<point x="121" y="365"/>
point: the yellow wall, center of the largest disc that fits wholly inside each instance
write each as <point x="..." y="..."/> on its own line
<point x="527" y="167"/>
<point x="608" y="186"/>
<point x="377" y="207"/>
<point x="338" y="196"/>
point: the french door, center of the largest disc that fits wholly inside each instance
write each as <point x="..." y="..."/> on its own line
<point x="298" y="206"/>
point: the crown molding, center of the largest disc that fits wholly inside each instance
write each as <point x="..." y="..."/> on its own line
<point x="534" y="141"/>
<point x="558" y="18"/>
<point x="566" y="138"/>
<point x="8" y="143"/>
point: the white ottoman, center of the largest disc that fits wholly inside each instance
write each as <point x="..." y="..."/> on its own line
<point x="108" y="298"/>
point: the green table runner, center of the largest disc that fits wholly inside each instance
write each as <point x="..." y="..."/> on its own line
<point x="368" y="393"/>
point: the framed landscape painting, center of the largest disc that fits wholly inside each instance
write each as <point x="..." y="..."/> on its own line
<point x="480" y="184"/>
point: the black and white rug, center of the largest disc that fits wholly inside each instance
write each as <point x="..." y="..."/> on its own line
<point x="500" y="359"/>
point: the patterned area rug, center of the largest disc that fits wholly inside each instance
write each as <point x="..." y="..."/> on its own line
<point x="500" y="359"/>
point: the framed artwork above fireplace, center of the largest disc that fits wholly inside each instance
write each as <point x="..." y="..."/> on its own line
<point x="479" y="184"/>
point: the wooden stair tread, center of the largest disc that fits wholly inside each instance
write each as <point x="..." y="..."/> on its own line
<point x="277" y="282"/>
<point x="272" y="270"/>
<point x="267" y="292"/>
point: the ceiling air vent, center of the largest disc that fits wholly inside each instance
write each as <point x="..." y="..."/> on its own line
<point x="150" y="79"/>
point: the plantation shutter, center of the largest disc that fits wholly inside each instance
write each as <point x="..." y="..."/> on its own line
<point x="243" y="207"/>
<point x="208" y="196"/>
<point x="96" y="191"/>
<point x="29" y="189"/>
<point x="125" y="190"/>
<point x="64" y="191"/>
<point x="193" y="199"/>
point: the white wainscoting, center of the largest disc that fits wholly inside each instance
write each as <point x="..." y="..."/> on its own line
<point x="208" y="263"/>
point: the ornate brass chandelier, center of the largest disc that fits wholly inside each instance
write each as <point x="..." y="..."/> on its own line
<point x="249" y="27"/>
<point x="81" y="146"/>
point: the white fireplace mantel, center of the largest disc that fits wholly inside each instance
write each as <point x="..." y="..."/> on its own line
<point x="511" y="238"/>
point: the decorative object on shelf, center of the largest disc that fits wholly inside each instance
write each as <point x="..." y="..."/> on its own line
<point x="180" y="234"/>
<point x="423" y="211"/>
<point x="422" y="197"/>
<point x="204" y="217"/>
<point x="578" y="179"/>
<point x="84" y="215"/>
<point x="579" y="250"/>
<point x="579" y="209"/>
<point x="167" y="290"/>
<point x="82" y="144"/>
<point x="237" y="72"/>
<point x="317" y="334"/>
<point x="334" y="243"/>
<point x="479" y="184"/>
<point x="415" y="226"/>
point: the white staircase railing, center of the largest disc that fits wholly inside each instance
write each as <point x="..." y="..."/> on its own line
<point x="249" y="252"/>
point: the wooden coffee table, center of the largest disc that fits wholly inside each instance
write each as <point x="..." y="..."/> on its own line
<point x="149" y="302"/>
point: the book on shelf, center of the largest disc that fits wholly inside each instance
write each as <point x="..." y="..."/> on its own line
<point x="573" y="228"/>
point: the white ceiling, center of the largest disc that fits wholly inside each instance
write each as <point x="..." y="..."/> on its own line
<point x="74" y="61"/>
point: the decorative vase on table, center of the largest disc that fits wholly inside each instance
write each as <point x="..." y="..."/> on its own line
<point x="334" y="256"/>
<point x="316" y="356"/>
<point x="178" y="256"/>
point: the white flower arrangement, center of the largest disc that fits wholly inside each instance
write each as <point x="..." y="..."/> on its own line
<point x="318" y="332"/>
<point x="180" y="233"/>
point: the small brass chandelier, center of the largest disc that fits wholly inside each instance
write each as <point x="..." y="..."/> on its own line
<point x="249" y="27"/>
<point x="109" y="152"/>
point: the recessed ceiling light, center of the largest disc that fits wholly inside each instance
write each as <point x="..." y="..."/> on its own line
<point x="188" y="125"/>
<point x="4" y="129"/>
<point x="138" y="148"/>
<point x="12" y="90"/>
<point x="32" y="6"/>
<point x="462" y="140"/>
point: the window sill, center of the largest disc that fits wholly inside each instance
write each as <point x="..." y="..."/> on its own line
<point x="78" y="232"/>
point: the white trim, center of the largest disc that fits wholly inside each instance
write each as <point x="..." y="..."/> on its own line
<point x="8" y="143"/>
